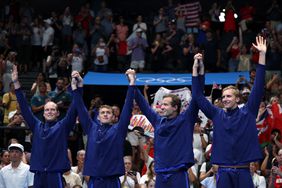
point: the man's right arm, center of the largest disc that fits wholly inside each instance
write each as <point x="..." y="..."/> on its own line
<point x="141" y="101"/>
<point x="145" y="107"/>
<point x="25" y="109"/>
<point x="84" y="117"/>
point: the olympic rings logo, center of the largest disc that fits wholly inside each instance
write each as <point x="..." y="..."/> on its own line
<point x="170" y="80"/>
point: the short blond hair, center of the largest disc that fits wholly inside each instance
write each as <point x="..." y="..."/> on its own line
<point x="106" y="106"/>
<point x="236" y="91"/>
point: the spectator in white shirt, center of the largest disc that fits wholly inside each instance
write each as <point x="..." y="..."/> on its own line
<point x="16" y="174"/>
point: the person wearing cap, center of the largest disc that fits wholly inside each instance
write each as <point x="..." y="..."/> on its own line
<point x="235" y="139"/>
<point x="49" y="158"/>
<point x="173" y="137"/>
<point x="101" y="53"/>
<point x="104" y="155"/>
<point x="16" y="174"/>
<point x="76" y="59"/>
<point x="244" y="96"/>
<point x="48" y="36"/>
<point x="138" y="46"/>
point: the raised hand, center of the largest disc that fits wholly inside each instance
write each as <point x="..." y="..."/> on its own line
<point x="131" y="75"/>
<point x="15" y="74"/>
<point x="198" y="59"/>
<point x="74" y="79"/>
<point x="260" y="44"/>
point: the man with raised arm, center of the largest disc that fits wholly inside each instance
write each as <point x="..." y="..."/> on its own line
<point x="104" y="151"/>
<point x="49" y="158"/>
<point x="173" y="133"/>
<point x="235" y="140"/>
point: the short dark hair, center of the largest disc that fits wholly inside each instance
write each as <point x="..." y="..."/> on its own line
<point x="175" y="101"/>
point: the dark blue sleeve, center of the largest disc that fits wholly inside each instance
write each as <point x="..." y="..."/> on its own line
<point x="257" y="90"/>
<point x="197" y="91"/>
<point x="126" y="112"/>
<point x="70" y="91"/>
<point x="193" y="109"/>
<point x="94" y="114"/>
<point x="84" y="117"/>
<point x="28" y="116"/>
<point x="69" y="120"/>
<point x="146" y="109"/>
<point x="202" y="82"/>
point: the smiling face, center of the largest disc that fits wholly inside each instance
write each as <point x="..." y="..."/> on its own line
<point x="229" y="98"/>
<point x="106" y="115"/>
<point x="51" y="112"/>
<point x="167" y="110"/>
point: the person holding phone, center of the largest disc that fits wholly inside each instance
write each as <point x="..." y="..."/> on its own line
<point x="276" y="171"/>
<point x="131" y="179"/>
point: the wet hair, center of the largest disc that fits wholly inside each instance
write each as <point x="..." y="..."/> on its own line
<point x="175" y="101"/>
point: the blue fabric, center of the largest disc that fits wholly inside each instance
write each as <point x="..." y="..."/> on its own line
<point x="105" y="182"/>
<point x="173" y="137"/>
<point x="172" y="180"/>
<point x="47" y="180"/>
<point x="235" y="140"/>
<point x="234" y="178"/>
<point x="104" y="150"/>
<point x="95" y="78"/>
<point x="49" y="141"/>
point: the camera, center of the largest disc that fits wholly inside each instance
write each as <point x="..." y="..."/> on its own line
<point x="133" y="173"/>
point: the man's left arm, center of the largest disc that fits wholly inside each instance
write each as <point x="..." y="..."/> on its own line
<point x="69" y="120"/>
<point x="193" y="108"/>
<point x="126" y="112"/>
<point x="257" y="90"/>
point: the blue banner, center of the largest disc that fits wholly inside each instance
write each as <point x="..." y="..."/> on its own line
<point x="95" y="78"/>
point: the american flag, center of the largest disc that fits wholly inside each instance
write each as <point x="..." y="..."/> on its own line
<point x="191" y="12"/>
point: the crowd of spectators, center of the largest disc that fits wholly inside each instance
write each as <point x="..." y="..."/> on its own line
<point x="105" y="42"/>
